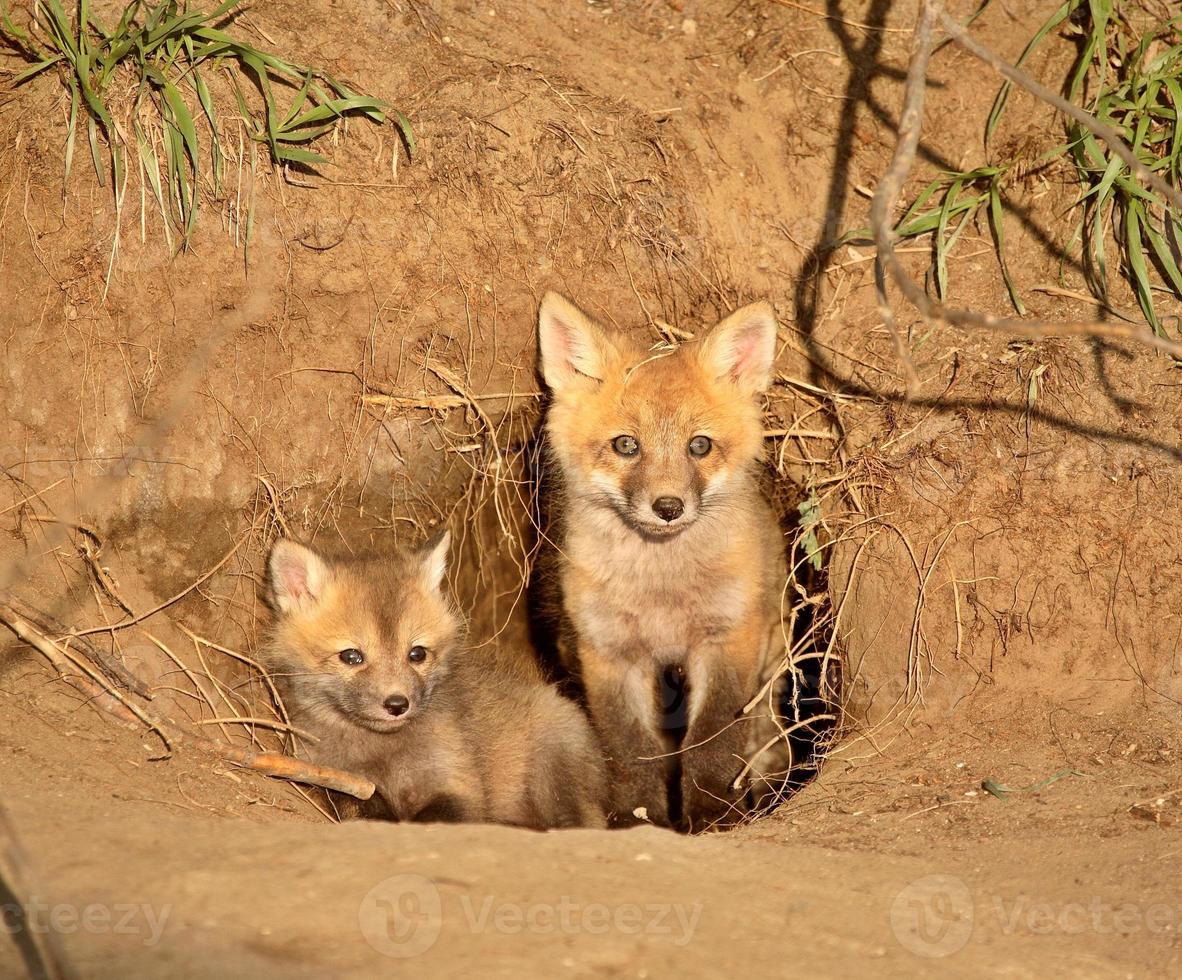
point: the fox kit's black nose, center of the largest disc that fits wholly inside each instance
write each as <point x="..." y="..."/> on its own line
<point x="397" y="704"/>
<point x="668" y="508"/>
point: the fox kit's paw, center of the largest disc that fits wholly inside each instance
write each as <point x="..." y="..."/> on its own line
<point x="640" y="803"/>
<point x="709" y="803"/>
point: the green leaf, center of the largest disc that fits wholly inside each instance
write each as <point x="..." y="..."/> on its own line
<point x="215" y="146"/>
<point x="71" y="129"/>
<point x="999" y="101"/>
<point x="291" y="154"/>
<point x="997" y="223"/>
<point x="95" y="152"/>
<point x="810" y="518"/>
<point x="333" y="109"/>
<point x="1134" y="217"/>
<point x="1165" y="255"/>
<point x="37" y="69"/>
<point x="404" y="128"/>
<point x="183" y="120"/>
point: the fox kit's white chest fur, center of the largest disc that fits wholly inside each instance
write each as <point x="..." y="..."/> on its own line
<point x="653" y="600"/>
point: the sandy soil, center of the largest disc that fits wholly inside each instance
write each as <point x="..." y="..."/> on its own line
<point x="1007" y="565"/>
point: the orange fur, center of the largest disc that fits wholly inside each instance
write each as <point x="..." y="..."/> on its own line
<point x="665" y="555"/>
<point x="473" y="739"/>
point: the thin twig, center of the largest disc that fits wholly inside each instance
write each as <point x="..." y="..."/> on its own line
<point x="132" y="620"/>
<point x="114" y="670"/>
<point x="61" y="658"/>
<point x="887" y="192"/>
<point x="1081" y="116"/>
<point x="268" y="763"/>
<point x="261" y="722"/>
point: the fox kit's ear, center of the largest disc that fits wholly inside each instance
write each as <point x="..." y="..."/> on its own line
<point x="742" y="348"/>
<point x="297" y="576"/>
<point x="572" y="346"/>
<point x="434" y="554"/>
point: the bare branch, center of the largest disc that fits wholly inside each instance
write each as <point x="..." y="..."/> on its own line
<point x="1081" y="116"/>
<point x="128" y="712"/>
<point x="886" y="196"/>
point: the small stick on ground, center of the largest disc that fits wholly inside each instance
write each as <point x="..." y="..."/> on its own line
<point x="270" y="684"/>
<point x="296" y="770"/>
<point x="62" y="659"/>
<point x="261" y="722"/>
<point x="112" y="668"/>
<point x="268" y="763"/>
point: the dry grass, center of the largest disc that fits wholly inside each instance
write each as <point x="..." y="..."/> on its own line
<point x="581" y="154"/>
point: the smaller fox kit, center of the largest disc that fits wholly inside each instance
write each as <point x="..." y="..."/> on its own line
<point x="668" y="556"/>
<point x="369" y="655"/>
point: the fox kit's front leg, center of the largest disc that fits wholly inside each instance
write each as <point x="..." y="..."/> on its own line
<point x="622" y="699"/>
<point x="715" y="739"/>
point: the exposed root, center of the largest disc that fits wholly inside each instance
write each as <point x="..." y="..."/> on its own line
<point x="129" y="713"/>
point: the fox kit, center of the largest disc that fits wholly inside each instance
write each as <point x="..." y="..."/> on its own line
<point x="369" y="653"/>
<point x="668" y="556"/>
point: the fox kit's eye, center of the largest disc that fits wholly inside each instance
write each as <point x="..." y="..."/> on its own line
<point x="626" y="445"/>
<point x="417" y="655"/>
<point x="700" y="446"/>
<point x="353" y="657"/>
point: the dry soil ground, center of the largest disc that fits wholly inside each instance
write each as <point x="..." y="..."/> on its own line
<point x="1006" y="569"/>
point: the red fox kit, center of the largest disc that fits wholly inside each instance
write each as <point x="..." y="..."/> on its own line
<point x="369" y="653"/>
<point x="668" y="555"/>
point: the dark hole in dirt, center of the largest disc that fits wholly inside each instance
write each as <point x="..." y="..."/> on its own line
<point x="811" y="695"/>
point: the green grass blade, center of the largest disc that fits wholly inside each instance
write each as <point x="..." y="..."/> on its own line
<point x="1003" y="94"/>
<point x="404" y="129"/>
<point x="37" y="69"/>
<point x="1134" y="218"/>
<point x="217" y="158"/>
<point x="997" y="223"/>
<point x="299" y="102"/>
<point x="291" y="154"/>
<point x="333" y="109"/>
<point x="150" y="163"/>
<point x="182" y="119"/>
<point x="302" y="135"/>
<point x="941" y="243"/>
<point x="59" y="26"/>
<point x="1095" y="48"/>
<point x="71" y="129"/>
<point x="95" y="152"/>
<point x="1096" y="237"/>
<point x="1165" y="257"/>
